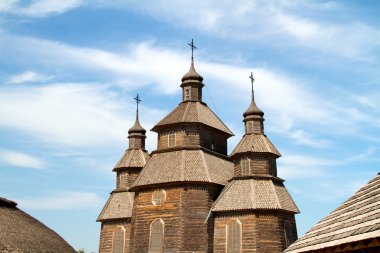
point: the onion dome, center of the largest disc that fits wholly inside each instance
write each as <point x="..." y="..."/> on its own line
<point x="137" y="128"/>
<point x="253" y="109"/>
<point x="192" y="74"/>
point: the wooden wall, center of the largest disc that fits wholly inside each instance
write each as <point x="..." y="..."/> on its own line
<point x="192" y="136"/>
<point x="259" y="164"/>
<point x="184" y="213"/>
<point x="106" y="233"/>
<point x="262" y="232"/>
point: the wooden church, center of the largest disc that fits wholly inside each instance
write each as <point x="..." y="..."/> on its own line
<point x="189" y="195"/>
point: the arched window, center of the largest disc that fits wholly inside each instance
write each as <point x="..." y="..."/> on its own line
<point x="245" y="164"/>
<point x="234" y="236"/>
<point x="118" y="240"/>
<point x="156" y="243"/>
<point x="288" y="233"/>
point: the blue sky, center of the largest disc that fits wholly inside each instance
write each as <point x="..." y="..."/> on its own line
<point x="69" y="71"/>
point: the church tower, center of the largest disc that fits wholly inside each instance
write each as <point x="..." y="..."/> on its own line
<point x="117" y="212"/>
<point x="177" y="187"/>
<point x="254" y="212"/>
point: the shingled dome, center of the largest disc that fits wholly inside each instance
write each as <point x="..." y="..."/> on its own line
<point x="192" y="74"/>
<point x="21" y="233"/>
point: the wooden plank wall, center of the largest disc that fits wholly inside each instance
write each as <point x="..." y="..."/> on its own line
<point x="262" y="232"/>
<point x="106" y="233"/>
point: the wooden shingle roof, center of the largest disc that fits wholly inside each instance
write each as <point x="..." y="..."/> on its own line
<point x="251" y="194"/>
<point x="355" y="220"/>
<point x="185" y="166"/>
<point x="193" y="112"/>
<point x="133" y="158"/>
<point x="257" y="143"/>
<point x="118" y="206"/>
<point x="21" y="233"/>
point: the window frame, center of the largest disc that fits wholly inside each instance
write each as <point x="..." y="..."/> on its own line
<point x="187" y="93"/>
<point x="240" y="232"/>
<point x="171" y="139"/>
<point x="113" y="238"/>
<point x="163" y="236"/>
<point x="161" y="202"/>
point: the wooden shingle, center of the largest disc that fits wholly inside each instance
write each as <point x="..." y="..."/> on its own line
<point x="355" y="220"/>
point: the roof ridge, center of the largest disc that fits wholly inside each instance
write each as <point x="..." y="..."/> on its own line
<point x="224" y="191"/>
<point x="186" y="110"/>
<point x="206" y="168"/>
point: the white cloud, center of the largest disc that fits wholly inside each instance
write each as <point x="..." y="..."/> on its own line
<point x="38" y="8"/>
<point x="290" y="22"/>
<point x="81" y="115"/>
<point x="303" y="166"/>
<point x="28" y="77"/>
<point x="296" y="110"/>
<point x="18" y="159"/>
<point x="63" y="201"/>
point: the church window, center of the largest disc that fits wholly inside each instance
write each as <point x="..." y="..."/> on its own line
<point x="187" y="93"/>
<point x="118" y="240"/>
<point x="234" y="235"/>
<point x="288" y="233"/>
<point x="156" y="243"/>
<point x="171" y="139"/>
<point x="245" y="164"/>
<point x="158" y="197"/>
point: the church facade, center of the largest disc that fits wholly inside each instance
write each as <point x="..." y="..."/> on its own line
<point x="189" y="195"/>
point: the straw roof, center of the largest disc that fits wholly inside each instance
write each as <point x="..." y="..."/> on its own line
<point x="193" y="112"/>
<point x="118" y="206"/>
<point x="185" y="166"/>
<point x="253" y="194"/>
<point x="21" y="233"/>
<point x="132" y="158"/>
<point x="355" y="220"/>
<point x="257" y="143"/>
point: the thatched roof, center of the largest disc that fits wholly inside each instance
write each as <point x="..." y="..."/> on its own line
<point x="21" y="233"/>
<point x="193" y="112"/>
<point x="185" y="166"/>
<point x="256" y="143"/>
<point x="118" y="206"/>
<point x="254" y="194"/>
<point x="355" y="220"/>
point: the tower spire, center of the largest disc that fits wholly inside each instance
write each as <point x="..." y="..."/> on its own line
<point x="137" y="132"/>
<point x="192" y="45"/>
<point x="192" y="81"/>
<point x="138" y="100"/>
<point x="252" y="80"/>
<point x="253" y="116"/>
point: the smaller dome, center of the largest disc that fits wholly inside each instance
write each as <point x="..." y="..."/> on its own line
<point x="137" y="128"/>
<point x="192" y="74"/>
<point x="253" y="109"/>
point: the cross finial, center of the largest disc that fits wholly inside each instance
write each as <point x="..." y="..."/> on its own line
<point x="138" y="100"/>
<point x="192" y="48"/>
<point x="252" y="80"/>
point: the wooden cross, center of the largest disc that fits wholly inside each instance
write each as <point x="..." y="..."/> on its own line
<point x="138" y="100"/>
<point x="252" y="80"/>
<point x="192" y="48"/>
